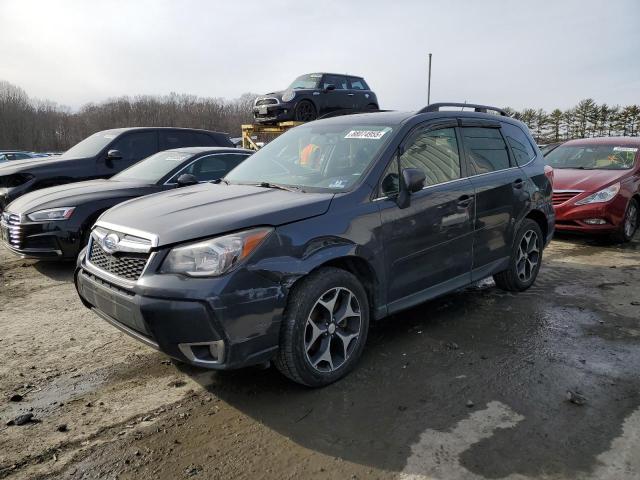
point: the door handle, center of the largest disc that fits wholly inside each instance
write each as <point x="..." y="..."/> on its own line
<point x="465" y="200"/>
<point x="518" y="183"/>
<point x="350" y="94"/>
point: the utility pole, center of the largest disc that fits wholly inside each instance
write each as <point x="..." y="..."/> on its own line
<point x="429" y="84"/>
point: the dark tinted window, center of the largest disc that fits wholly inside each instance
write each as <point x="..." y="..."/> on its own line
<point x="435" y="152"/>
<point x="204" y="140"/>
<point x="486" y="149"/>
<point x="212" y="167"/>
<point x="358" y="84"/>
<point x="176" y="139"/>
<point x="520" y="145"/>
<point x="338" y="80"/>
<point x="136" y="145"/>
<point x="390" y="184"/>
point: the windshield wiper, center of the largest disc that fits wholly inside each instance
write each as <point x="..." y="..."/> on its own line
<point x="220" y="180"/>
<point x="288" y="188"/>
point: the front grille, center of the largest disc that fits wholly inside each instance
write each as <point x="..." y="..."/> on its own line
<point x="561" y="197"/>
<point x="128" y="266"/>
<point x="266" y="101"/>
<point x="12" y="225"/>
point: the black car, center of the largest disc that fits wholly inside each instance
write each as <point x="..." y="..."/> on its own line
<point x="54" y="223"/>
<point x="313" y="95"/>
<point x="100" y="155"/>
<point x="296" y="250"/>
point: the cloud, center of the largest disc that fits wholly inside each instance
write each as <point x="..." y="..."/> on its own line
<point x="539" y="54"/>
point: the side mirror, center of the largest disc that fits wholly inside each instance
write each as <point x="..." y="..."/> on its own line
<point x="114" y="155"/>
<point x="186" y="179"/>
<point x="414" y="180"/>
<point x="329" y="87"/>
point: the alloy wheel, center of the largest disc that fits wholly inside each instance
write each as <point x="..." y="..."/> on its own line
<point x="305" y="112"/>
<point x="528" y="256"/>
<point x="631" y="220"/>
<point x="332" y="329"/>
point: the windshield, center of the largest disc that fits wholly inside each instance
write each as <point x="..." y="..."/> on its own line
<point x="592" y="157"/>
<point x="323" y="156"/>
<point x="152" y="169"/>
<point x="305" y="81"/>
<point x="90" y="146"/>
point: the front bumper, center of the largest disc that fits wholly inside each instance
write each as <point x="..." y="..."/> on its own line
<point x="43" y="241"/>
<point x="280" y="112"/>
<point x="571" y="217"/>
<point x="208" y="323"/>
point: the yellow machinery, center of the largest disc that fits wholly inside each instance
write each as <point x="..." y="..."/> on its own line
<point x="253" y="134"/>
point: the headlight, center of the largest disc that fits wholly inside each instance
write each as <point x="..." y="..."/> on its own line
<point x="61" y="213"/>
<point x="213" y="257"/>
<point x="603" y="195"/>
<point x="288" y="96"/>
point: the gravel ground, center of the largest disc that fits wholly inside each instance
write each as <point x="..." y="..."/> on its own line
<point x="473" y="385"/>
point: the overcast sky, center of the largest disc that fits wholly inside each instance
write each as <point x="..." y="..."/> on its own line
<point x="508" y="53"/>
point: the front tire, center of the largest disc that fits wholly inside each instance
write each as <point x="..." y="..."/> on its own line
<point x="525" y="261"/>
<point x="305" y="111"/>
<point x="324" y="329"/>
<point x="629" y="225"/>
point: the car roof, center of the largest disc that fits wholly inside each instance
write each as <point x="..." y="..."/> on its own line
<point x="620" y="141"/>
<point x="196" y="150"/>
<point x="339" y="74"/>
<point x="117" y="131"/>
<point x="397" y="118"/>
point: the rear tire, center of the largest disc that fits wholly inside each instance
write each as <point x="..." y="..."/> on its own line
<point x="372" y="106"/>
<point x="525" y="261"/>
<point x="630" y="223"/>
<point x="305" y="111"/>
<point x="324" y="328"/>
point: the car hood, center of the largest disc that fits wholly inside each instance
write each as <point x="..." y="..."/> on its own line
<point x="208" y="209"/>
<point x="39" y="164"/>
<point x="75" y="194"/>
<point x="586" y="180"/>
<point x="279" y="93"/>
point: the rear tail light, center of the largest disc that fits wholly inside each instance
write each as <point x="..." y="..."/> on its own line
<point x="548" y="172"/>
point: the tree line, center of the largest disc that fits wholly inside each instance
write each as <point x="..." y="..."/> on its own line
<point x="586" y="119"/>
<point x="36" y="125"/>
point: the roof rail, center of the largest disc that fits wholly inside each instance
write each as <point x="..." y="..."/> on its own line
<point x="435" y="107"/>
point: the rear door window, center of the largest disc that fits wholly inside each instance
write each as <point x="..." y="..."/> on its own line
<point x="486" y="150"/>
<point x="521" y="147"/>
<point x="176" y="138"/>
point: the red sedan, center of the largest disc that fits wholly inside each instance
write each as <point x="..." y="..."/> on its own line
<point x="596" y="186"/>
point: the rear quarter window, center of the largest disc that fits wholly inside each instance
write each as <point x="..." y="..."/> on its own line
<point x="520" y="144"/>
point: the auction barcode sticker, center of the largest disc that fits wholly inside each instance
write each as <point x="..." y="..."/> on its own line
<point x="366" y="134"/>
<point x="625" y="149"/>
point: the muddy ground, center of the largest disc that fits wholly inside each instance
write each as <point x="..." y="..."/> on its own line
<point x="473" y="385"/>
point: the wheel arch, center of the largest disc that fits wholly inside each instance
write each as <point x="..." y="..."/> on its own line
<point x="363" y="270"/>
<point x="541" y="219"/>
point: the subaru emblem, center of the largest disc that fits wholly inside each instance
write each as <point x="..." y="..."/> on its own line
<point x="110" y="243"/>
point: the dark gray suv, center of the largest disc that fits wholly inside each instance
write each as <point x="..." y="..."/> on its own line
<point x="334" y="224"/>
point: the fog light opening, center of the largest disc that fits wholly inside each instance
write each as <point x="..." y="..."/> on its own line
<point x="595" y="221"/>
<point x="203" y="352"/>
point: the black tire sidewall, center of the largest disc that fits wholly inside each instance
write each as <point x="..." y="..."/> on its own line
<point x="303" y="300"/>
<point x="297" y="110"/>
<point x="623" y="233"/>
<point x="526" y="225"/>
